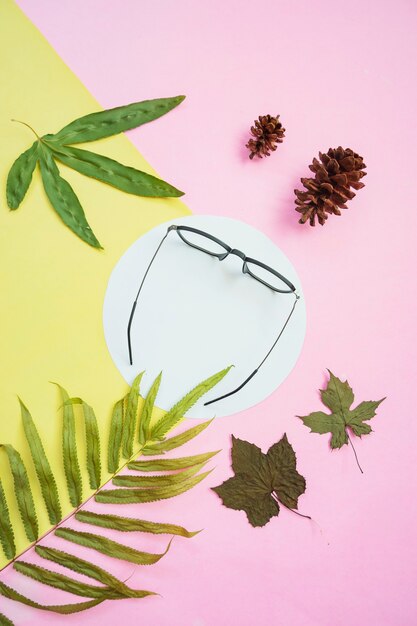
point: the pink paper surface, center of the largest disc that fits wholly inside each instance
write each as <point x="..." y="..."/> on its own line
<point x="337" y="74"/>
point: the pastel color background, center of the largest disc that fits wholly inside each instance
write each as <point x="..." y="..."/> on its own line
<point x="337" y="74"/>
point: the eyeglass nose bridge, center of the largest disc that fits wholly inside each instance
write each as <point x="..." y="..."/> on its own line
<point x="238" y="253"/>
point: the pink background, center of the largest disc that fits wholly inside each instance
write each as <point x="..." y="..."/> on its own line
<point x="337" y="73"/>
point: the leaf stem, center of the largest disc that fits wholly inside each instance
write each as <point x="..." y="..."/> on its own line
<point x="35" y="543"/>
<point x="354" y="451"/>
<point x="33" y="131"/>
<point x="130" y="575"/>
<point x="287" y="507"/>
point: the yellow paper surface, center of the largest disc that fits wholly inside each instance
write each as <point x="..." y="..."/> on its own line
<point x="52" y="284"/>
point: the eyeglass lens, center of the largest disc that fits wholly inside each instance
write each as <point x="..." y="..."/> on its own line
<point x="204" y="243"/>
<point x="201" y="242"/>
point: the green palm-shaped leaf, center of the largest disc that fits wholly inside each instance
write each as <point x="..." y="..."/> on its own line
<point x="49" y="148"/>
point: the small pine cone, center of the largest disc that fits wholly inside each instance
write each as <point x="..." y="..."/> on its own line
<point x="268" y="132"/>
<point x="337" y="171"/>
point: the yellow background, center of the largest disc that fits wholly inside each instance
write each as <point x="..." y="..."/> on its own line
<point x="52" y="284"/>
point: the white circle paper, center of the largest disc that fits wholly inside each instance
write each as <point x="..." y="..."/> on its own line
<point x="196" y="315"/>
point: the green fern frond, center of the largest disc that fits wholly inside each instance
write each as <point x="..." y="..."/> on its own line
<point x="80" y="566"/>
<point x="65" y="583"/>
<point x="131" y="418"/>
<point x="5" y="621"/>
<point x="63" y="609"/>
<point x="23" y="492"/>
<point x="161" y="465"/>
<point x="6" y="528"/>
<point x="42" y="467"/>
<point x="158" y="481"/>
<point x="69" y="451"/>
<point x="130" y="423"/>
<point x="92" y="436"/>
<point x="178" y="411"/>
<point x="128" y="524"/>
<point x="110" y="547"/>
<point x="115" y="437"/>
<point x="147" y="410"/>
<point x="151" y="449"/>
<point x="134" y="496"/>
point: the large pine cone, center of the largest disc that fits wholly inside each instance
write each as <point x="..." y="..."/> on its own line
<point x="337" y="171"/>
<point x="268" y="132"/>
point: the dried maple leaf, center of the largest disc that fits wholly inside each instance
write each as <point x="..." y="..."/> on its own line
<point x="339" y="397"/>
<point x="261" y="480"/>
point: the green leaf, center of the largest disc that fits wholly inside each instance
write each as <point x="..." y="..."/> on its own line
<point x="339" y="397"/>
<point x="243" y="493"/>
<point x="23" y="492"/>
<point x="42" y="467"/>
<point x="106" y="170"/>
<point x="149" y="451"/>
<point x="129" y="426"/>
<point x="63" y="199"/>
<point x="170" y="419"/>
<point x="63" y="609"/>
<point x="60" y="581"/>
<point x="147" y="488"/>
<point x="248" y="459"/>
<point x="157" y="481"/>
<point x="20" y="176"/>
<point x="5" y="621"/>
<point x="160" y="465"/>
<point x="92" y="436"/>
<point x="109" y="547"/>
<point x="6" y="529"/>
<point x="261" y="480"/>
<point x="147" y="409"/>
<point x="88" y="128"/>
<point x="175" y="442"/>
<point x="131" y="496"/>
<point x="321" y="423"/>
<point x="113" y="121"/>
<point x="69" y="451"/>
<point x="86" y="568"/>
<point x="65" y="583"/>
<point x="363" y="412"/>
<point x="287" y="483"/>
<point x="115" y="437"/>
<point x="128" y="524"/>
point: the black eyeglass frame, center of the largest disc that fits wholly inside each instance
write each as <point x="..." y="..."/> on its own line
<point x="239" y="253"/>
<point x="221" y="257"/>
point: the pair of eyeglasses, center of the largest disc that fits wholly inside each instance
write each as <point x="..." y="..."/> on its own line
<point x="200" y="240"/>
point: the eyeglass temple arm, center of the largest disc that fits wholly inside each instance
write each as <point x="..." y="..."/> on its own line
<point x="132" y="312"/>
<point x="226" y="395"/>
